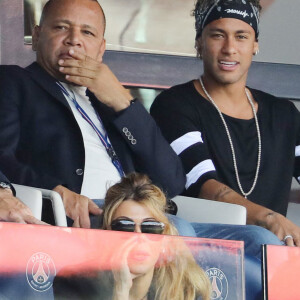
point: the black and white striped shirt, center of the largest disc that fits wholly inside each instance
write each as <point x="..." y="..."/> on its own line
<point x="196" y="133"/>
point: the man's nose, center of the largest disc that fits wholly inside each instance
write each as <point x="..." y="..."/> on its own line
<point x="229" y="46"/>
<point x="74" y="38"/>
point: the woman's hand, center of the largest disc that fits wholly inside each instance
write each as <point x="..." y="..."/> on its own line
<point x="122" y="275"/>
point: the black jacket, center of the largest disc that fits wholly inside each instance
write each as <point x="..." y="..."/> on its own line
<point x="41" y="143"/>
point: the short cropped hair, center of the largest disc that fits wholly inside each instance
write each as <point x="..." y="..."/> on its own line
<point x="50" y="2"/>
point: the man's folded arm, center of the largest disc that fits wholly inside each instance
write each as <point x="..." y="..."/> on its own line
<point x="187" y="141"/>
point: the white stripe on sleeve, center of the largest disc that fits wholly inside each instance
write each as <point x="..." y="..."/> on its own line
<point x="199" y="170"/>
<point x="297" y="151"/>
<point x="185" y="141"/>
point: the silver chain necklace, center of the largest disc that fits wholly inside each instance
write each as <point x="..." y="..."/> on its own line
<point x="245" y="194"/>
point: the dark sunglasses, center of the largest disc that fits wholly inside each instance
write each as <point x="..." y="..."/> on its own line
<point x="150" y="226"/>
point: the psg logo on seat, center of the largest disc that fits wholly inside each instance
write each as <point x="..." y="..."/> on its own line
<point x="40" y="272"/>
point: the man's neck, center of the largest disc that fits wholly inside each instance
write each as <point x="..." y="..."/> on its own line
<point x="230" y="98"/>
<point x="231" y="93"/>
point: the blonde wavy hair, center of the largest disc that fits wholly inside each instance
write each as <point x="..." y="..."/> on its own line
<point x="178" y="278"/>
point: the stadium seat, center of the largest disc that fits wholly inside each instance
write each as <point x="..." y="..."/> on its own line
<point x="208" y="211"/>
<point x="293" y="212"/>
<point x="191" y="209"/>
<point x="33" y="198"/>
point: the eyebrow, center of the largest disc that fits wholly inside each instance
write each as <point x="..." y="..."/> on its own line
<point x="62" y="21"/>
<point x="142" y="220"/>
<point x="85" y="26"/>
<point x="123" y="218"/>
<point x="224" y="31"/>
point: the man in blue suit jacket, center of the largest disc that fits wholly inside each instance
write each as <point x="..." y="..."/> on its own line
<point x="42" y="144"/>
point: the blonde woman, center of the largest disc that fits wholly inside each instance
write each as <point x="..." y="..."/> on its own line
<point x="150" y="266"/>
<point x="136" y="205"/>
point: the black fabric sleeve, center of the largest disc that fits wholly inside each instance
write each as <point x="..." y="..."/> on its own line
<point x="3" y="178"/>
<point x="181" y="127"/>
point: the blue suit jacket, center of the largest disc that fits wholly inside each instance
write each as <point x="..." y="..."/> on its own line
<point x="3" y="178"/>
<point x="41" y="143"/>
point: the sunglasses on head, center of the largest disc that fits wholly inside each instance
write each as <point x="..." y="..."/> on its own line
<point x="148" y="226"/>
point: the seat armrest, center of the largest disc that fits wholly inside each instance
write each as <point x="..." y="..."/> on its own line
<point x="57" y="205"/>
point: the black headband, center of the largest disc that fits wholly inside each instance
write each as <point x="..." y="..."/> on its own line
<point x="243" y="11"/>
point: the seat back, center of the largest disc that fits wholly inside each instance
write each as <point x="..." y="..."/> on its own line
<point x="31" y="197"/>
<point x="293" y="213"/>
<point x="208" y="211"/>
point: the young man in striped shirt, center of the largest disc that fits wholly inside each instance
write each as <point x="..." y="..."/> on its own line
<point x="237" y="144"/>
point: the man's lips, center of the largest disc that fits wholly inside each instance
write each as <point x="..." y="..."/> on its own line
<point x="228" y="65"/>
<point x="65" y="56"/>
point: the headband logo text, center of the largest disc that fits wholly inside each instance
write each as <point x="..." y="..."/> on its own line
<point x="238" y="12"/>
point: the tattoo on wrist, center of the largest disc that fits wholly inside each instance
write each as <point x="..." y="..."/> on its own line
<point x="223" y="191"/>
<point x="261" y="223"/>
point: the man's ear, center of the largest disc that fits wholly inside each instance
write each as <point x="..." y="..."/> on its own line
<point x="102" y="50"/>
<point x="35" y="36"/>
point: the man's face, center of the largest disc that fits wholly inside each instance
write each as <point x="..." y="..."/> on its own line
<point x="227" y="46"/>
<point x="69" y="24"/>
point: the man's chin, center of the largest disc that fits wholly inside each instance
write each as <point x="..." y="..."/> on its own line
<point x="62" y="78"/>
<point x="59" y="76"/>
<point x="68" y="82"/>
